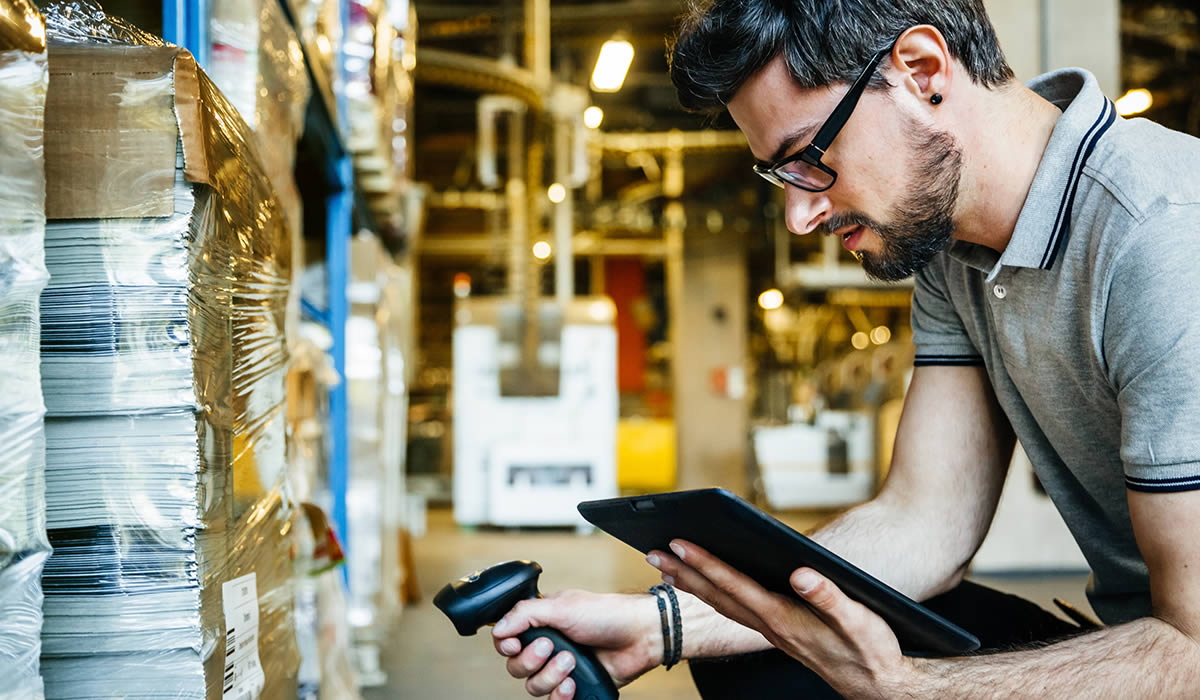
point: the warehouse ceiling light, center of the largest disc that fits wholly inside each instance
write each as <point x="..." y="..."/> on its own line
<point x="1134" y="102"/>
<point x="612" y="65"/>
<point x="556" y="193"/>
<point x="771" y="299"/>
<point x="592" y="117"/>
<point x="541" y="250"/>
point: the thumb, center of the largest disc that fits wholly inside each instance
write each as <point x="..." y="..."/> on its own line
<point x="826" y="598"/>
<point x="535" y="612"/>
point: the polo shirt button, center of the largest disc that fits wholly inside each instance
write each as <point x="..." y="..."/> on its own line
<point x="999" y="291"/>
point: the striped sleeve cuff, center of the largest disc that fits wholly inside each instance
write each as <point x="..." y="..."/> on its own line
<point x="1164" y="484"/>
<point x="948" y="361"/>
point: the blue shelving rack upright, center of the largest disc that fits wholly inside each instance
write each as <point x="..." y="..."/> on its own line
<point x="185" y="23"/>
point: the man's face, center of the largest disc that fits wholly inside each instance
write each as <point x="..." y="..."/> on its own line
<point x="897" y="184"/>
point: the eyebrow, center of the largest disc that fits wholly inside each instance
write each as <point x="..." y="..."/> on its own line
<point x="788" y="143"/>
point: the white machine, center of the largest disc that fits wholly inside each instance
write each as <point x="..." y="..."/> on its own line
<point x="526" y="452"/>
<point x="827" y="464"/>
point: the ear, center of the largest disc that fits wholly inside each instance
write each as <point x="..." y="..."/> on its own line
<point x="923" y="62"/>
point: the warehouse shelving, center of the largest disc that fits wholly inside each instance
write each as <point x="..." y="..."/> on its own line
<point x="185" y="23"/>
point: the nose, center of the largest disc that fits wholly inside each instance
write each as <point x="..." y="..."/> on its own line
<point x="804" y="211"/>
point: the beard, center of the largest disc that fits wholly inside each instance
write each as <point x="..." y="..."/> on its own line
<point x="922" y="223"/>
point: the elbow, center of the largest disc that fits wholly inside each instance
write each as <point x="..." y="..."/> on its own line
<point x="1183" y="628"/>
<point x="956" y="577"/>
<point x="951" y="581"/>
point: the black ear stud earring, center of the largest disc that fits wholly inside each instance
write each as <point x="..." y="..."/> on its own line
<point x="936" y="99"/>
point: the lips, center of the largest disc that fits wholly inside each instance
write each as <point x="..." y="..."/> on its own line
<point x="851" y="237"/>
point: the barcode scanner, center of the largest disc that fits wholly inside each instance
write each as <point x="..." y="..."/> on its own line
<point x="482" y="598"/>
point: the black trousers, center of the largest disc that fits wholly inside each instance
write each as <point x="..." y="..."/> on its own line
<point x="1000" y="621"/>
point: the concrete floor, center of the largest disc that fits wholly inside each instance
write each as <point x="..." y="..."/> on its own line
<point x="427" y="660"/>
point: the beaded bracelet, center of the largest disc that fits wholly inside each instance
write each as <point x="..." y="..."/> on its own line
<point x="672" y="630"/>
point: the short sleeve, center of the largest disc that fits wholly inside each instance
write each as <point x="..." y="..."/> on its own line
<point x="938" y="332"/>
<point x="1152" y="351"/>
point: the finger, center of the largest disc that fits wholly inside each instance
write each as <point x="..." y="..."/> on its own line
<point x="685" y="578"/>
<point x="531" y="659"/>
<point x="726" y="578"/>
<point x="508" y="646"/>
<point x="564" y="691"/>
<point x="552" y="675"/>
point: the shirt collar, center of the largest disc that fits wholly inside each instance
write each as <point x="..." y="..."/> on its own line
<point x="1044" y="223"/>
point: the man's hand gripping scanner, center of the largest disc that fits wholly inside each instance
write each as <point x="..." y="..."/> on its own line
<point x="482" y="598"/>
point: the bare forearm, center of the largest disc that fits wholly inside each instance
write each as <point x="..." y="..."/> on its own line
<point x="707" y="633"/>
<point x="907" y="550"/>
<point x="1144" y="659"/>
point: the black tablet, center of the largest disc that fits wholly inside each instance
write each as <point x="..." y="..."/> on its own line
<point x="769" y="551"/>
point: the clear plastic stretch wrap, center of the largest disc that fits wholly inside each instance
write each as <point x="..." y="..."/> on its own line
<point x="319" y="25"/>
<point x="257" y="62"/>
<point x="23" y="543"/>
<point x="326" y="669"/>
<point x="163" y="357"/>
<point x="371" y="599"/>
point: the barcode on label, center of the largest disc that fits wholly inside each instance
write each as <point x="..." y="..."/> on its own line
<point x="230" y="641"/>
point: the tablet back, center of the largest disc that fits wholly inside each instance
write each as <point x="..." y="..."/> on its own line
<point x="769" y="551"/>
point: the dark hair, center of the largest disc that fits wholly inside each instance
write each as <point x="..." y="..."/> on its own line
<point x="721" y="43"/>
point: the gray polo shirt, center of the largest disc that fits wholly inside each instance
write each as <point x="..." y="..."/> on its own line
<point x="1089" y="325"/>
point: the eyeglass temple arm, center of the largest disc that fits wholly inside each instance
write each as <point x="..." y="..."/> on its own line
<point x="846" y="106"/>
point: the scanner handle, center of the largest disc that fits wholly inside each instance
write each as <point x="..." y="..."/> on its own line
<point x="592" y="682"/>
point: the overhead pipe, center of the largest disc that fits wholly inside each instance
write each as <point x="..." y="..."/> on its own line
<point x="566" y="106"/>
<point x="488" y="109"/>
<point x="518" y="210"/>
<point x="708" y="139"/>
<point x="564" y="217"/>
<point x="486" y="75"/>
<point x="537" y="42"/>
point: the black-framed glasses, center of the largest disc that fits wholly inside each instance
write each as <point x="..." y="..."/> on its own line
<point x="805" y="169"/>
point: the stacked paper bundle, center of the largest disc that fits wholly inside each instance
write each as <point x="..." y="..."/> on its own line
<point x="163" y="354"/>
<point x="125" y="466"/>
<point x="23" y="545"/>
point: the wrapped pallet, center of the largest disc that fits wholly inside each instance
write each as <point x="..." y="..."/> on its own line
<point x="23" y="543"/>
<point x="319" y="26"/>
<point x="327" y="667"/>
<point x="163" y="355"/>
<point x="369" y="597"/>
<point x="258" y="64"/>
<point x="377" y="388"/>
<point x="379" y="89"/>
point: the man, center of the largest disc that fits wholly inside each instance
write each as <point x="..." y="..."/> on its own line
<point x="1054" y="247"/>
